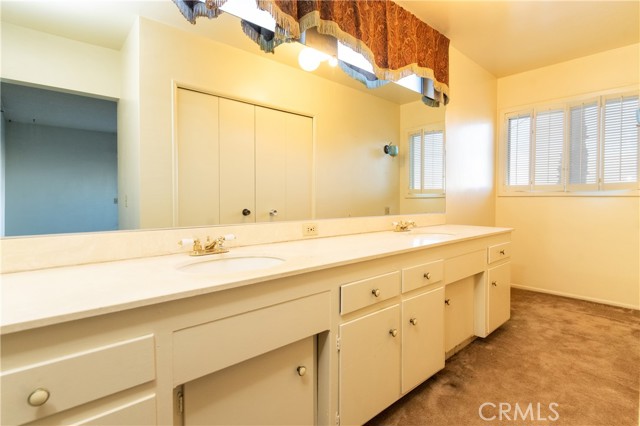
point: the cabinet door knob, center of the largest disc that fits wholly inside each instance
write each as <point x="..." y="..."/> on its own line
<point x="376" y="292"/>
<point x="38" y="397"/>
<point x="494" y="283"/>
<point x="447" y="302"/>
<point x="414" y="321"/>
<point x="246" y="212"/>
<point x="427" y="275"/>
<point x="273" y="212"/>
<point x="502" y="252"/>
<point x="393" y="332"/>
<point x="302" y="370"/>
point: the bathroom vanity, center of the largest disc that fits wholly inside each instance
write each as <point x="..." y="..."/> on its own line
<point x="329" y="331"/>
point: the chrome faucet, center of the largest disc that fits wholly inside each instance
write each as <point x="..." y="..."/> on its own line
<point x="403" y="225"/>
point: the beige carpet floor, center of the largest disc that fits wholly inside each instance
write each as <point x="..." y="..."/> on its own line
<point x="558" y="361"/>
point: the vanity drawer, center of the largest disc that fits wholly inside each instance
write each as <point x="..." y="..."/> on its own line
<point x="463" y="266"/>
<point x="367" y="292"/>
<point x="209" y="347"/>
<point x="62" y="383"/>
<point x="422" y="275"/>
<point x="498" y="252"/>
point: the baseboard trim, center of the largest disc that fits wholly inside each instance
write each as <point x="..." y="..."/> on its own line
<point x="460" y="346"/>
<point x="576" y="296"/>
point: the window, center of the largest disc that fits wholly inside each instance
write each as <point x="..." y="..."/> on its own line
<point x="549" y="142"/>
<point x="583" y="146"/>
<point x="580" y="146"/>
<point x="518" y="150"/>
<point x="620" y="151"/>
<point x="426" y="162"/>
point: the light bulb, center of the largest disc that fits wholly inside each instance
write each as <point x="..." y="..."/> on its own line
<point x="309" y="59"/>
<point x="332" y="61"/>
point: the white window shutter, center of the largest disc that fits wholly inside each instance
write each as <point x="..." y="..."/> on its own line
<point x="415" y="166"/>
<point x="620" y="147"/>
<point x="518" y="150"/>
<point x="434" y="161"/>
<point x="549" y="145"/>
<point x="583" y="146"/>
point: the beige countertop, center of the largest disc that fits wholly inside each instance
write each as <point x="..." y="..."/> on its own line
<point x="49" y="296"/>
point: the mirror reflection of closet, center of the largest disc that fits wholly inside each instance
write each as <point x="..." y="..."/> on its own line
<point x="59" y="162"/>
<point x="240" y="163"/>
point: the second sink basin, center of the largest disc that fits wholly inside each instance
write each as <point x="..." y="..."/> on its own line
<point x="230" y="264"/>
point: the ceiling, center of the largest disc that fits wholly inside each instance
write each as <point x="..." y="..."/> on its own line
<point x="503" y="36"/>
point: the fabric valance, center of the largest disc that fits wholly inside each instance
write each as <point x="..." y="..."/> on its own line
<point x="391" y="38"/>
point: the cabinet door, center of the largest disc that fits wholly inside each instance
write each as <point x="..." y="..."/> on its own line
<point x="498" y="296"/>
<point x="271" y="389"/>
<point x="283" y="165"/>
<point x="422" y="337"/>
<point x="458" y="312"/>
<point x="369" y="365"/>
<point x="198" y="185"/>
<point x="237" y="162"/>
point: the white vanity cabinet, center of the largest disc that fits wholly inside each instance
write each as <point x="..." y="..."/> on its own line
<point x="276" y="388"/>
<point x="369" y="365"/>
<point x="369" y="348"/>
<point x="458" y="313"/>
<point x="498" y="303"/>
<point x="258" y="367"/>
<point x="395" y="344"/>
<point x="422" y="337"/>
<point x="98" y="380"/>
<point x="335" y="343"/>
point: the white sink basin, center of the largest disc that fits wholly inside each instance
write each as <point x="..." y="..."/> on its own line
<point x="230" y="264"/>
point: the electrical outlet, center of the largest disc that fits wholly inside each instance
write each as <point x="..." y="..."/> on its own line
<point x="309" y="229"/>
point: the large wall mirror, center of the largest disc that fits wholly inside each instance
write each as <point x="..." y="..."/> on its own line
<point x="114" y="73"/>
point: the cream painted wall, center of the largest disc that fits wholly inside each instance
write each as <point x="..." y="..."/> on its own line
<point x="350" y="127"/>
<point x="470" y="124"/>
<point x="129" y="133"/>
<point x="585" y="247"/>
<point x="46" y="60"/>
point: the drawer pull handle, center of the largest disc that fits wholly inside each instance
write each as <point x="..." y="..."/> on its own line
<point x="428" y="275"/>
<point x="414" y="321"/>
<point x="38" y="397"/>
<point x="376" y="292"/>
<point x="302" y="370"/>
<point x="502" y="251"/>
<point x="393" y="332"/>
<point x="494" y="283"/>
<point x="447" y="302"/>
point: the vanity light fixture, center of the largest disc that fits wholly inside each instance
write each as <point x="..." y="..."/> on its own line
<point x="309" y="59"/>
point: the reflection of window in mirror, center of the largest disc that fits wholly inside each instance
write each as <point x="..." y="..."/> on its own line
<point x="426" y="161"/>
<point x="59" y="162"/>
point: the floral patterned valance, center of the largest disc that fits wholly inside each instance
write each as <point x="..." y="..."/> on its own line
<point x="395" y="41"/>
